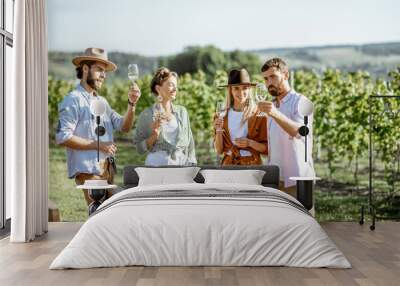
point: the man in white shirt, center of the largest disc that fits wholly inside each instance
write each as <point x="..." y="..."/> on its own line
<point x="286" y="145"/>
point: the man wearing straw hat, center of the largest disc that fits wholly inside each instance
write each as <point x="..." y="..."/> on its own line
<point x="77" y="124"/>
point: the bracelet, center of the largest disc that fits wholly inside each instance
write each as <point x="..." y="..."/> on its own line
<point x="131" y="103"/>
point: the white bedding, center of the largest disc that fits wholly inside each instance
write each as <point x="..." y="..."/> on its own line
<point x="182" y="231"/>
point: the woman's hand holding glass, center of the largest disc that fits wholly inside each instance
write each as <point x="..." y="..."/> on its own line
<point x="221" y="112"/>
<point x="242" y="142"/>
<point x="156" y="126"/>
<point x="218" y="124"/>
<point x="159" y="111"/>
<point x="159" y="117"/>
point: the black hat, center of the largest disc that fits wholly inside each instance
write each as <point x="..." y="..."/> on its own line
<point x="238" y="77"/>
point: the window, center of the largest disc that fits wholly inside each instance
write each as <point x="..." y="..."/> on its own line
<point x="9" y="17"/>
<point x="6" y="44"/>
<point x="8" y="87"/>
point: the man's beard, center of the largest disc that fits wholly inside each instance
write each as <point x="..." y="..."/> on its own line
<point x="91" y="82"/>
<point x="274" y="92"/>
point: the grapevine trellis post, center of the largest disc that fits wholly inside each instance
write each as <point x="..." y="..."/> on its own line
<point x="370" y="206"/>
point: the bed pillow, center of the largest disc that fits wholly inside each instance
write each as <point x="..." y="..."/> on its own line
<point x="249" y="177"/>
<point x="166" y="176"/>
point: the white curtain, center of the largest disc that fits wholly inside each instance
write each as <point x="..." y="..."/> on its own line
<point x="27" y="124"/>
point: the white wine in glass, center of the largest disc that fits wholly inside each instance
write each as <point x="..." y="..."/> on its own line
<point x="159" y="112"/>
<point x="133" y="72"/>
<point x="260" y="95"/>
<point x="221" y="111"/>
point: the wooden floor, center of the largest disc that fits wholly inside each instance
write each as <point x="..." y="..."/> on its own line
<point x="374" y="255"/>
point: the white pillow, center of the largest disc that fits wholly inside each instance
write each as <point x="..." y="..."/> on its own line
<point x="166" y="176"/>
<point x="249" y="177"/>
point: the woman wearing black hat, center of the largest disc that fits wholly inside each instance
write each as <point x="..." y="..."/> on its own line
<point x="241" y="135"/>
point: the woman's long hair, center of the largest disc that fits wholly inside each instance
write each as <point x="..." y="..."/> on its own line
<point x="250" y="107"/>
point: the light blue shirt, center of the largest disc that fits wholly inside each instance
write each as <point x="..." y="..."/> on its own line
<point x="76" y="119"/>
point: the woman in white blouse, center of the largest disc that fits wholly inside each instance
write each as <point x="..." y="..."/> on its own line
<point x="241" y="135"/>
<point x="163" y="129"/>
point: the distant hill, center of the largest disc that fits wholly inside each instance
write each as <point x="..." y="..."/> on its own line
<point x="377" y="59"/>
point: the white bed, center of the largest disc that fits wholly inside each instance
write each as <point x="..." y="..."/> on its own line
<point x="201" y="224"/>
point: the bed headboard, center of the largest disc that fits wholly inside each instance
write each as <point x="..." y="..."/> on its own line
<point x="270" y="179"/>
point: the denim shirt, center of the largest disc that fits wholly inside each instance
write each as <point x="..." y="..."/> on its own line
<point x="76" y="119"/>
<point x="184" y="141"/>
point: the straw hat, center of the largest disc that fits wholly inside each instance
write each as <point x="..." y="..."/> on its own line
<point x="96" y="55"/>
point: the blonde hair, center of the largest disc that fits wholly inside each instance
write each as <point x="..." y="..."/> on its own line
<point x="250" y="107"/>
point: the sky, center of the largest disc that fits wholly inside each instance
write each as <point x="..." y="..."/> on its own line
<point x="166" y="27"/>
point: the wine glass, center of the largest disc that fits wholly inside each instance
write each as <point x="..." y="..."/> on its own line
<point x="260" y="95"/>
<point x="159" y="111"/>
<point x="133" y="72"/>
<point x="221" y="111"/>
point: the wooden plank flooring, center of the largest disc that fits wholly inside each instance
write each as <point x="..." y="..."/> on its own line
<point x="374" y="255"/>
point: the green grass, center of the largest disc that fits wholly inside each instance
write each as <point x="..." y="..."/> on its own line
<point x="331" y="207"/>
<point x="68" y="199"/>
<point x="63" y="192"/>
<point x="337" y="199"/>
